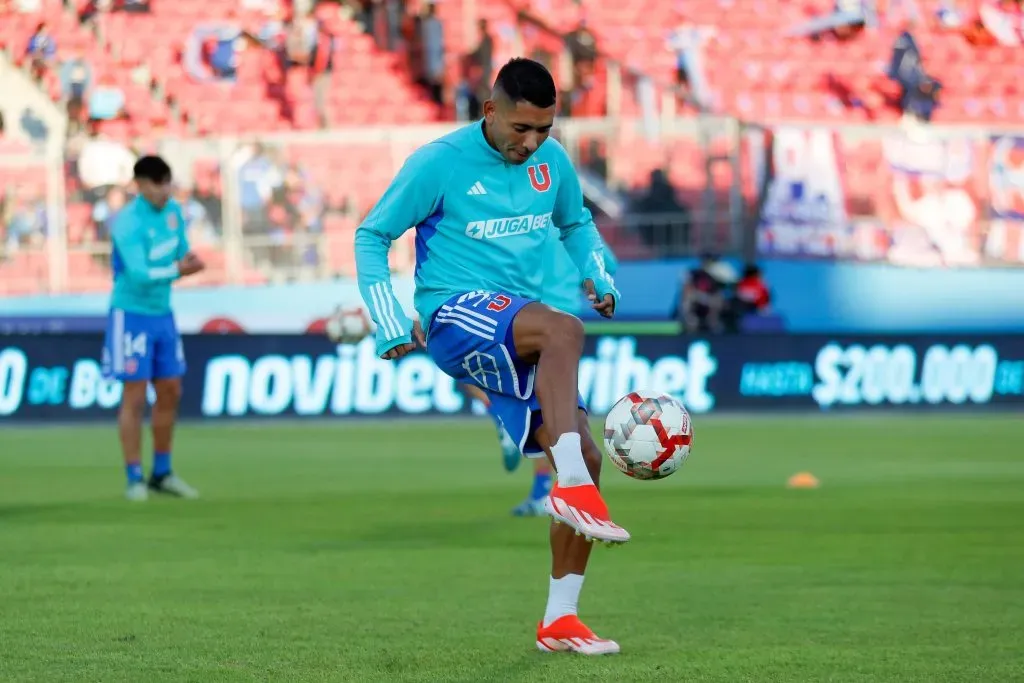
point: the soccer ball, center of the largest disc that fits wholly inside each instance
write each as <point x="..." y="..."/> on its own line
<point x="648" y="434"/>
<point x="348" y="325"/>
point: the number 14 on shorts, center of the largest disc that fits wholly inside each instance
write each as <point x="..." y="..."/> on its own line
<point x="134" y="345"/>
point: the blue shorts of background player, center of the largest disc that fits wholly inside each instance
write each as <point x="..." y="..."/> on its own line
<point x="470" y="338"/>
<point x="142" y="347"/>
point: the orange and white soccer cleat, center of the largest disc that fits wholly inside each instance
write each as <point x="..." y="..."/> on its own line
<point x="583" y="508"/>
<point x="569" y="634"/>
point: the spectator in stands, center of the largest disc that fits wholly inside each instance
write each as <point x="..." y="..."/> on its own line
<point x="918" y="91"/>
<point x="197" y="221"/>
<point x="75" y="75"/>
<point x="304" y="204"/>
<point x="300" y="41"/>
<point x="106" y="100"/>
<point x="687" y="41"/>
<point x="847" y="19"/>
<point x="101" y="165"/>
<point x="206" y="194"/>
<point x="105" y="211"/>
<point x="259" y="177"/>
<point x="26" y="222"/>
<point x="320" y="69"/>
<point x="483" y="57"/>
<point x="582" y="46"/>
<point x="477" y="74"/>
<point x="432" y="32"/>
<point x="663" y="220"/>
<point x="702" y="301"/>
<point x="751" y="295"/>
<point x="41" y="50"/>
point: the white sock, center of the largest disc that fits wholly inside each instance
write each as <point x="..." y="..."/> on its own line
<point x="563" y="597"/>
<point x="571" y="468"/>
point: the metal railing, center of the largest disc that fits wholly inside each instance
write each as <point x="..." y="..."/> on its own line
<point x="283" y="206"/>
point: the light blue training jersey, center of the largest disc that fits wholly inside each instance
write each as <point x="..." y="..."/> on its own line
<point x="481" y="224"/>
<point x="562" y="280"/>
<point x="146" y="244"/>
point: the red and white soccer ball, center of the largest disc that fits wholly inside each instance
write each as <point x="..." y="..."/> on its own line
<point x="648" y="434"/>
<point x="348" y="325"/>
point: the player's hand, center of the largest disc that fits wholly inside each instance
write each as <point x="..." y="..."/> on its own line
<point x="418" y="334"/>
<point x="399" y="351"/>
<point x="606" y="307"/>
<point x="190" y="264"/>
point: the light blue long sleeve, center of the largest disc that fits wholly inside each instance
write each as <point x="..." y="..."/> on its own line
<point x="412" y="198"/>
<point x="579" y="234"/>
<point x="147" y="244"/>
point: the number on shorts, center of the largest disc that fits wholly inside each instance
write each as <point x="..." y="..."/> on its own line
<point x="134" y="346"/>
<point x="499" y="303"/>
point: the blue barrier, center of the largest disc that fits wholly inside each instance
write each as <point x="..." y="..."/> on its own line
<point x="809" y="296"/>
<point x="57" y="377"/>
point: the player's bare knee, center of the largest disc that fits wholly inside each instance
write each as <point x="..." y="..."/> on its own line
<point x="168" y="393"/>
<point x="566" y="333"/>
<point x="133" y="398"/>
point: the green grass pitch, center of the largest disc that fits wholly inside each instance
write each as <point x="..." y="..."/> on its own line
<point x="384" y="552"/>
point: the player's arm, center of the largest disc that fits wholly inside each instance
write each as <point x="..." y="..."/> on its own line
<point x="127" y="239"/>
<point x="580" y="236"/>
<point x="414" y="194"/>
<point x="611" y="264"/>
<point x="189" y="262"/>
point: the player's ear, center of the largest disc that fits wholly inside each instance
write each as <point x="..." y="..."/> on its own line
<point x="490" y="107"/>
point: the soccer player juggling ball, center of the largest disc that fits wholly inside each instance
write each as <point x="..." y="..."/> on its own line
<point x="150" y="252"/>
<point x="482" y="200"/>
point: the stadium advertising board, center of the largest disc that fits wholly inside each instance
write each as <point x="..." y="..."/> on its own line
<point x="58" y="377"/>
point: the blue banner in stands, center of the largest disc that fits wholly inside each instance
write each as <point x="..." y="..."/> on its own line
<point x="57" y="377"/>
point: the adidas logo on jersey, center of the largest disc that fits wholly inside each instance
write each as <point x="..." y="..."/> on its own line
<point x="507" y="227"/>
<point x="477" y="189"/>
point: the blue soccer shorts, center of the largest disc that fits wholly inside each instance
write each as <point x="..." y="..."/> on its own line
<point x="470" y="339"/>
<point x="142" y="347"/>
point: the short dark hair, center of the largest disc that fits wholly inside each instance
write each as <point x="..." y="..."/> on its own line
<point x="524" y="80"/>
<point x="152" y="168"/>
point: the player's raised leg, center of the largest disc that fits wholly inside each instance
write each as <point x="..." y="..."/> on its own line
<point x="554" y="341"/>
<point x="561" y="629"/>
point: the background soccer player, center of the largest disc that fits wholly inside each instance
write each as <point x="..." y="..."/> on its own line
<point x="483" y="200"/>
<point x="150" y="251"/>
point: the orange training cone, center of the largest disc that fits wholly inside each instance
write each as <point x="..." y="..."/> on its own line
<point x="803" y="480"/>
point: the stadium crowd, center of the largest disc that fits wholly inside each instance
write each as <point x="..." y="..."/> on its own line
<point x="120" y="101"/>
